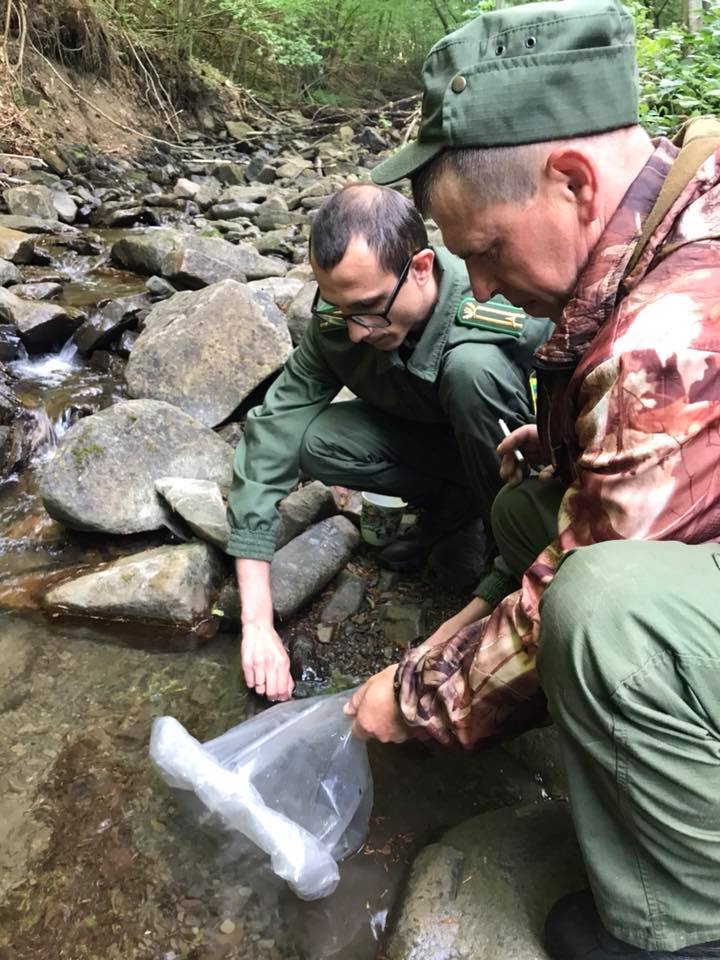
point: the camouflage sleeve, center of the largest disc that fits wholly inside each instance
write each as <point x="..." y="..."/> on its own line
<point x="649" y="435"/>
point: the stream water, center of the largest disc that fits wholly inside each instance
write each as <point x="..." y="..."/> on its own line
<point x="97" y="857"/>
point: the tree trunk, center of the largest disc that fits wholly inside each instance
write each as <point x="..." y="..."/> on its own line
<point x="692" y="13"/>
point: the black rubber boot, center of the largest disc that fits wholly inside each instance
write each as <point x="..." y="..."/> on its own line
<point x="574" y="931"/>
<point x="409" y="553"/>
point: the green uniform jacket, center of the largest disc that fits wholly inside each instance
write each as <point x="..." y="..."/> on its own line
<point x="470" y="366"/>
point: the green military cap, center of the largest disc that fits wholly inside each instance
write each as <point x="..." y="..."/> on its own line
<point x="539" y="71"/>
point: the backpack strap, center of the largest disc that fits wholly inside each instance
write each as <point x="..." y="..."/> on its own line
<point x="697" y="139"/>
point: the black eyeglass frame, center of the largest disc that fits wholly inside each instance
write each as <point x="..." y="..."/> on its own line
<point x="360" y="318"/>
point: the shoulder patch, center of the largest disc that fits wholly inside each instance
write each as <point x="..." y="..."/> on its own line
<point x="328" y="325"/>
<point x="495" y="317"/>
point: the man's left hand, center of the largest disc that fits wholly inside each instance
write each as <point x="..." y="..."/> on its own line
<point x="375" y="711"/>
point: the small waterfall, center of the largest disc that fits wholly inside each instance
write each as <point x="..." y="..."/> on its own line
<point x="49" y="369"/>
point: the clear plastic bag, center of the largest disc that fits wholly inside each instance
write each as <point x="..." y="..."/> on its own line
<point x="293" y="780"/>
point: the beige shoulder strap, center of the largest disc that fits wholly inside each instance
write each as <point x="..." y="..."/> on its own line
<point x="697" y="139"/>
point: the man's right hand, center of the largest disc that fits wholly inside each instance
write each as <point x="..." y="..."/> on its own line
<point x="265" y="662"/>
<point x="526" y="440"/>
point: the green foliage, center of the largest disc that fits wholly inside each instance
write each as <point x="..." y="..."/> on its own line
<point x="343" y="51"/>
<point x="679" y="73"/>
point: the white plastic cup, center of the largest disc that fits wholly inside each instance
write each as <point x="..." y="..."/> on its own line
<point x="380" y="518"/>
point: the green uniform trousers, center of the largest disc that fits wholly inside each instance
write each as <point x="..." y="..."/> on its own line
<point x="358" y="446"/>
<point x="629" y="659"/>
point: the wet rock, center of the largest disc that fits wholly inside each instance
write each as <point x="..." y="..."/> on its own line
<point x="200" y="504"/>
<point x="103" y="474"/>
<point x="460" y="559"/>
<point x="191" y="260"/>
<point x="484" y="890"/>
<point x="16" y="246"/>
<point x="299" y="313"/>
<point x="159" y="289"/>
<point x="41" y="325"/>
<point x="207" y="375"/>
<point x="9" y="342"/>
<point x="9" y="274"/>
<point x="281" y="290"/>
<point x="272" y="214"/>
<point x="305" y="565"/>
<point x="175" y="585"/>
<point x="19" y="434"/>
<point x="346" y="600"/>
<point x="30" y="200"/>
<point x="301" y="508"/>
<point x="37" y="291"/>
<point x="126" y="342"/>
<point x="99" y="330"/>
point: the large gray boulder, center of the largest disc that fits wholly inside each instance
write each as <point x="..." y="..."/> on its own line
<point x="305" y="565"/>
<point x="103" y="474"/>
<point x="41" y="325"/>
<point x="174" y="585"/>
<point x="191" y="260"/>
<point x="30" y="200"/>
<point x="206" y="351"/>
<point x="299" y="313"/>
<point x="484" y="890"/>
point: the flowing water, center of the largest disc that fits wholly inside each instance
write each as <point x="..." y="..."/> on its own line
<point x="97" y="857"/>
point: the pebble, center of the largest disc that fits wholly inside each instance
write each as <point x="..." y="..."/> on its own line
<point x="227" y="927"/>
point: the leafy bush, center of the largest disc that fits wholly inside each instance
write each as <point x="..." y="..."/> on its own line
<point x="679" y="73"/>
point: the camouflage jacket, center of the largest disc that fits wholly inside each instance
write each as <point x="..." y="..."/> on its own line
<point x="629" y="388"/>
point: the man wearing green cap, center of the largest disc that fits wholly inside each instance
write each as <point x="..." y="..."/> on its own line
<point x="530" y="159"/>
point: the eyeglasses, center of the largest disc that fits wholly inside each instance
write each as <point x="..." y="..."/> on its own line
<point x="371" y="321"/>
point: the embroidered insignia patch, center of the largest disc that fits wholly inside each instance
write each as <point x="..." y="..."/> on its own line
<point x="495" y="317"/>
<point x="328" y="324"/>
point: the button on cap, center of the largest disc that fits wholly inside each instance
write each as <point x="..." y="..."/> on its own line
<point x="458" y="83"/>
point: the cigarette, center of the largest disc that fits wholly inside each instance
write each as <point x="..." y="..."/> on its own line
<point x="506" y="432"/>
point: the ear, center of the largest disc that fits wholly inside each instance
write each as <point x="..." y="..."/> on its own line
<point x="576" y="175"/>
<point x="422" y="265"/>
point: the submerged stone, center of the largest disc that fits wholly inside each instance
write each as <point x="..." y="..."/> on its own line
<point x="484" y="890"/>
<point x="175" y="585"/>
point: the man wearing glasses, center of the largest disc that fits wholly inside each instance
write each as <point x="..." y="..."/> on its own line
<point x="433" y="371"/>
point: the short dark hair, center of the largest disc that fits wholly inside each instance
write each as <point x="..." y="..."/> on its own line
<point x="387" y="221"/>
